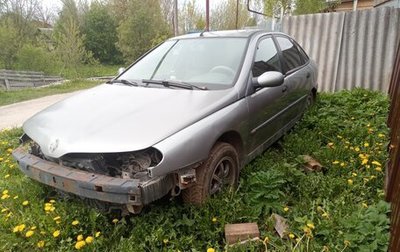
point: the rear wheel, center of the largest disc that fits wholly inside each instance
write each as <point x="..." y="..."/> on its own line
<point x="219" y="172"/>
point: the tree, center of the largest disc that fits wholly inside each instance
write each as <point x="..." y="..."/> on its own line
<point x="309" y="6"/>
<point x="223" y="17"/>
<point x="143" y="28"/>
<point x="190" y="18"/>
<point x="101" y="34"/>
<point x="8" y="45"/>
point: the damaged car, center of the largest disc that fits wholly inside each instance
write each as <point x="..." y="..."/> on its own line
<point x="183" y="119"/>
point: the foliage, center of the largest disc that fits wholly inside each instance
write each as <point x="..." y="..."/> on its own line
<point x="35" y="58"/>
<point x="141" y="29"/>
<point x="338" y="209"/>
<point x="9" y="97"/>
<point x="101" y="34"/>
<point x="309" y="6"/>
<point x="275" y="8"/>
<point x="221" y="20"/>
<point x="9" y="46"/>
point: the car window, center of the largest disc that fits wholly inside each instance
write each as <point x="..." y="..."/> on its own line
<point x="210" y="62"/>
<point x="267" y="58"/>
<point x="290" y="53"/>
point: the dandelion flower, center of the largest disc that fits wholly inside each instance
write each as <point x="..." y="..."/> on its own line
<point x="364" y="161"/>
<point x="25" y="203"/>
<point x="286" y="209"/>
<point x="357" y="149"/>
<point x="40" y="244"/>
<point x="364" y="205"/>
<point x="335" y="162"/>
<point x="1" y="159"/>
<point x="381" y="135"/>
<point x="5" y="196"/>
<point x="342" y="164"/>
<point x="89" y="239"/>
<point x="210" y="250"/>
<point x="75" y="222"/>
<point x="33" y="228"/>
<point x="115" y="221"/>
<point x="310" y="225"/>
<point x="5" y="192"/>
<point x="97" y="234"/>
<point x="214" y="219"/>
<point x="350" y="181"/>
<point x="4" y="210"/>
<point x="56" y="233"/>
<point x="291" y="236"/>
<point x="52" y="201"/>
<point x="354" y="174"/>
<point x="80" y="244"/>
<point x="9" y="150"/>
<point x="16" y="197"/>
<point x="79" y="237"/>
<point x="376" y="163"/>
<point x="7" y="176"/>
<point x="366" y="144"/>
<point x="378" y="169"/>
<point x="57" y="218"/>
<point x="29" y="233"/>
<point x="165" y="241"/>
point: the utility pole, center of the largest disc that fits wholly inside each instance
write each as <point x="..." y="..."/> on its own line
<point x="175" y="21"/>
<point x="237" y="14"/>
<point x="207" y="15"/>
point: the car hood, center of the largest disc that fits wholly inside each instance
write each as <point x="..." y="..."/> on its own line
<point x="118" y="118"/>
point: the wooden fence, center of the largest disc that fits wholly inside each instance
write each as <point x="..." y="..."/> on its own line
<point x="392" y="183"/>
<point x="11" y="80"/>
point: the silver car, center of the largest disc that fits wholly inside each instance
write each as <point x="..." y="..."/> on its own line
<point x="183" y="119"/>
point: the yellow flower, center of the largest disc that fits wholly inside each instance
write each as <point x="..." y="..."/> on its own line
<point x="335" y="162"/>
<point x="286" y="209"/>
<point x="25" y="203"/>
<point x="350" y="181"/>
<point x="16" y="229"/>
<point x="79" y="237"/>
<point x="56" y="233"/>
<point x="376" y="163"/>
<point x="364" y="205"/>
<point x="5" y="192"/>
<point x="372" y="177"/>
<point x="165" y="241"/>
<point x="291" y="236"/>
<point x="29" y="233"/>
<point x="210" y="250"/>
<point x="214" y="219"/>
<point x="80" y="244"/>
<point x="89" y="239"/>
<point x="381" y="135"/>
<point x="97" y="234"/>
<point x="19" y="228"/>
<point x="330" y="144"/>
<point x="325" y="215"/>
<point x="5" y="196"/>
<point x="1" y="159"/>
<point x="364" y="161"/>
<point x="52" y="201"/>
<point x="7" y="176"/>
<point x="4" y="210"/>
<point x="40" y="244"/>
<point x="354" y="174"/>
<point x="357" y="149"/>
<point x="366" y="144"/>
<point x="310" y="225"/>
<point x="9" y="215"/>
<point x="75" y="222"/>
<point x="378" y="169"/>
<point x="16" y="197"/>
<point x="342" y="164"/>
<point x="115" y="221"/>
<point x="33" y="228"/>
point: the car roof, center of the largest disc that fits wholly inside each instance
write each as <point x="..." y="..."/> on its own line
<point x="227" y="33"/>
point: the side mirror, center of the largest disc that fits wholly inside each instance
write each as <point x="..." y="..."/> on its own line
<point x="269" y="79"/>
<point x="121" y="70"/>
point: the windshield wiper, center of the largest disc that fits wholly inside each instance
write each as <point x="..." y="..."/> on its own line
<point x="171" y="83"/>
<point x="123" y="81"/>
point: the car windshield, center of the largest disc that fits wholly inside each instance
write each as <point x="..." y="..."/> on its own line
<point x="207" y="62"/>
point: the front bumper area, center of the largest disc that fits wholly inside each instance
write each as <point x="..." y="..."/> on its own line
<point x="130" y="192"/>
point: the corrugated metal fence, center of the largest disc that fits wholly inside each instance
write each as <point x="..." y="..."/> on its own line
<point x="351" y="49"/>
<point x="393" y="167"/>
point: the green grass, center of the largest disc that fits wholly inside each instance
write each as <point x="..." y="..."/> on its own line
<point x="9" y="97"/>
<point x="86" y="71"/>
<point x="338" y="209"/>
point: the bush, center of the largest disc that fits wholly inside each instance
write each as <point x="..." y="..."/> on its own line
<point x="33" y="58"/>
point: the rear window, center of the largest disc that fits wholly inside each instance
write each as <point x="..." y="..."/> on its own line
<point x="290" y="53"/>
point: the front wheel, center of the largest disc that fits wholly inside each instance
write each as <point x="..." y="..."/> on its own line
<point x="220" y="171"/>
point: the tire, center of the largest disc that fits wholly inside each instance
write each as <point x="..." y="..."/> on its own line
<point x="221" y="166"/>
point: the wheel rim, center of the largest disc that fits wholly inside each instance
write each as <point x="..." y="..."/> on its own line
<point x="222" y="175"/>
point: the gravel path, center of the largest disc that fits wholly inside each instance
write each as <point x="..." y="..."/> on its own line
<point x="14" y="115"/>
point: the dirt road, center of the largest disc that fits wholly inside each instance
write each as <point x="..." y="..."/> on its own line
<point x="14" y="115"/>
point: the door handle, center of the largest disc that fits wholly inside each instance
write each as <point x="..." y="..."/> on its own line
<point x="308" y="75"/>
<point x="284" y="88"/>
